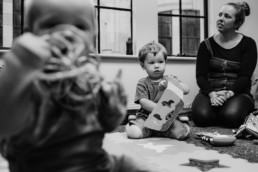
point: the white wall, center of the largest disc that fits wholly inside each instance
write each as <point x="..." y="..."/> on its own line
<point x="132" y="72"/>
<point x="146" y="29"/>
<point x="145" y="22"/>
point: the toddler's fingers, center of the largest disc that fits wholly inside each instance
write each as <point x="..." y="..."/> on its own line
<point x="39" y="48"/>
<point x="120" y="88"/>
<point x="118" y="76"/>
<point x="118" y="81"/>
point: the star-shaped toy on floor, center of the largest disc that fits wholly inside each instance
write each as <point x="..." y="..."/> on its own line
<point x="204" y="165"/>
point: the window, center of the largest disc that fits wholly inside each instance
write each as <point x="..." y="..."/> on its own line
<point x="10" y="21"/>
<point x="114" y="19"/>
<point x="182" y="25"/>
<point x="17" y="18"/>
<point x="1" y="24"/>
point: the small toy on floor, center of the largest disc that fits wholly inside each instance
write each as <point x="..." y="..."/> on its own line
<point x="194" y="161"/>
<point x="183" y="118"/>
<point x="217" y="139"/>
<point x="255" y="142"/>
<point x="131" y="117"/>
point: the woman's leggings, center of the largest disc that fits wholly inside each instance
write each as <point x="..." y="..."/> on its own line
<point x="231" y="114"/>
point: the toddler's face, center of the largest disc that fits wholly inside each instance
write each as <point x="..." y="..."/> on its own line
<point x="50" y="13"/>
<point x="68" y="24"/>
<point x="155" y="66"/>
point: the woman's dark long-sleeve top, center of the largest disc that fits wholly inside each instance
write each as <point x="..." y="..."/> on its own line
<point x="244" y="53"/>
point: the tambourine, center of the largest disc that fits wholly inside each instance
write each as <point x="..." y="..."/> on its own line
<point x="217" y="139"/>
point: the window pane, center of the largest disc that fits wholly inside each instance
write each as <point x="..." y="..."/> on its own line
<point x="116" y="3"/>
<point x="1" y="24"/>
<point x="169" y="34"/>
<point x="16" y="32"/>
<point x="179" y="33"/>
<point x="1" y="18"/>
<point x="168" y="5"/>
<point x="17" y="5"/>
<point x="191" y="35"/>
<point x="17" y="19"/>
<point x="1" y="37"/>
<point x="194" y="5"/>
<point x="115" y="29"/>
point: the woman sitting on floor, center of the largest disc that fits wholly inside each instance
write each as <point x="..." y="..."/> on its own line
<point x="225" y="64"/>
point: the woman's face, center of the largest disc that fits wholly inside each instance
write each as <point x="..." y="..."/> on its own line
<point x="226" y="19"/>
<point x="155" y="66"/>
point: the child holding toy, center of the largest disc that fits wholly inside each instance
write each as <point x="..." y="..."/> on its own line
<point x="55" y="105"/>
<point x="153" y="58"/>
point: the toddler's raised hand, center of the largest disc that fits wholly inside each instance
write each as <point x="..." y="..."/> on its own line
<point x="113" y="103"/>
<point x="31" y="50"/>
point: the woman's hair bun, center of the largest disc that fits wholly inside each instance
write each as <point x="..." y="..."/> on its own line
<point x="245" y="7"/>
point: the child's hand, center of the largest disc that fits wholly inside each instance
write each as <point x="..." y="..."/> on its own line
<point x="31" y="50"/>
<point x="185" y="88"/>
<point x="113" y="103"/>
<point x="114" y="92"/>
<point x="163" y="85"/>
<point x="181" y="85"/>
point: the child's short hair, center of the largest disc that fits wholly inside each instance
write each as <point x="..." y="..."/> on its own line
<point x="153" y="48"/>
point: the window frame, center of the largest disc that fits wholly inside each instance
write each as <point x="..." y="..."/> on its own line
<point x="181" y="16"/>
<point x="1" y="24"/>
<point x="14" y="25"/>
<point x="98" y="7"/>
<point x="21" y="15"/>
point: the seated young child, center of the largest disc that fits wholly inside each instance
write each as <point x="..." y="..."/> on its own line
<point x="55" y="105"/>
<point x="153" y="58"/>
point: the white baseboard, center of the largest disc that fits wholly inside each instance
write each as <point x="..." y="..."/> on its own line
<point x="133" y="106"/>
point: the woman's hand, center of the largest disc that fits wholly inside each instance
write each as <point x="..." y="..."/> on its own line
<point x="217" y="98"/>
<point x="225" y="93"/>
<point x="220" y="97"/>
<point x="229" y="94"/>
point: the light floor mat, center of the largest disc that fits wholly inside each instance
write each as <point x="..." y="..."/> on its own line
<point x="168" y="155"/>
<point x="3" y="165"/>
